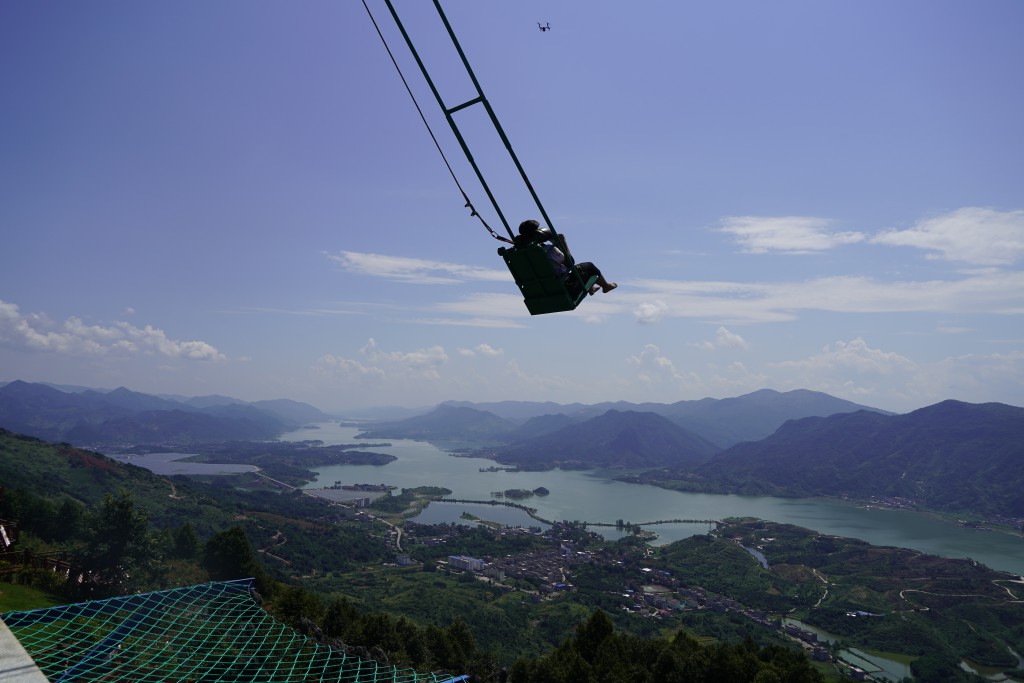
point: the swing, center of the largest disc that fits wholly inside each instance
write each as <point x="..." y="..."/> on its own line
<point x="543" y="290"/>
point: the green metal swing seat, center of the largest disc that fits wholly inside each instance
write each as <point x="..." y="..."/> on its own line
<point x="543" y="290"/>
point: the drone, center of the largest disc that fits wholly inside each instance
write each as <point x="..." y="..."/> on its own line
<point x="544" y="27"/>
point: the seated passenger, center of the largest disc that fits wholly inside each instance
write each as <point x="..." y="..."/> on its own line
<point x="531" y="232"/>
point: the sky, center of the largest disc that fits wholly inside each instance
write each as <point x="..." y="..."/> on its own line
<point x="239" y="198"/>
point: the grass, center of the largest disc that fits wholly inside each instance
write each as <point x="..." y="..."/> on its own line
<point x="15" y="598"/>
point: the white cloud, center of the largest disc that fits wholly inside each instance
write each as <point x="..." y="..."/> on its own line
<point x="414" y="270"/>
<point x="788" y="234"/>
<point x="988" y="291"/>
<point x="396" y="375"/>
<point x="724" y="339"/>
<point x="654" y="367"/>
<point x="855" y="371"/>
<point x="482" y="350"/>
<point x="349" y="369"/>
<point x="422" y="363"/>
<point x="970" y="235"/>
<point x="650" y="312"/>
<point x="35" y="332"/>
<point x="854" y="355"/>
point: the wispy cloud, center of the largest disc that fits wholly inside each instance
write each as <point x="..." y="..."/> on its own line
<point x="969" y="235"/>
<point x="485" y="350"/>
<point x="786" y="234"/>
<point x="724" y="339"/>
<point x="654" y="367"/>
<point x="377" y="364"/>
<point x="989" y="291"/>
<point x="36" y="332"/>
<point x="413" y="270"/>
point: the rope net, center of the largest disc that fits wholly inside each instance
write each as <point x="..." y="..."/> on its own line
<point x="209" y="632"/>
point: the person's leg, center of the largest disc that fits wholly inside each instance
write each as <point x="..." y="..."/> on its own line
<point x="588" y="270"/>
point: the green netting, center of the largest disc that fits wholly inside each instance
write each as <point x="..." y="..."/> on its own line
<point x="210" y="632"/>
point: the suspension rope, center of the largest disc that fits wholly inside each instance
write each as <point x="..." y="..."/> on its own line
<point x="419" y="110"/>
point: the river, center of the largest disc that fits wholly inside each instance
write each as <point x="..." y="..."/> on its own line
<point x="594" y="496"/>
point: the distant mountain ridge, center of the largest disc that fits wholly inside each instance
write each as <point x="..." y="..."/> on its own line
<point x="444" y="423"/>
<point x="623" y="439"/>
<point x="125" y="417"/>
<point x="951" y="455"/>
<point x="724" y="422"/>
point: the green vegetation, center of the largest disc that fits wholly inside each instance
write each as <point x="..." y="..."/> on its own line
<point x="890" y="598"/>
<point x="15" y="597"/>
<point x="329" y="569"/>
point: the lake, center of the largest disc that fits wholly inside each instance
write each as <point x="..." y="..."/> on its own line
<point x="169" y="464"/>
<point x="594" y="496"/>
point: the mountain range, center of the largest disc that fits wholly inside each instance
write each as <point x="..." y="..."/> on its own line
<point x="724" y="422"/>
<point x="122" y="416"/>
<point x="948" y="456"/>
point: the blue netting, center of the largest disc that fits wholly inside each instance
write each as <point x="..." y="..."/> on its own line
<point x="209" y="632"/>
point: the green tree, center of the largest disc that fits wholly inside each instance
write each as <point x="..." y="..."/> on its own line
<point x="295" y="602"/>
<point x="120" y="553"/>
<point x="186" y="542"/>
<point x="229" y="555"/>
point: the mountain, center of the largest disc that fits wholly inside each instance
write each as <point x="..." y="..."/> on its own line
<point x="444" y="423"/>
<point x="724" y="422"/>
<point x="539" y="426"/>
<point x="293" y="411"/>
<point x="125" y="417"/>
<point x="952" y="456"/>
<point x="615" y="439"/>
<point x="47" y="413"/>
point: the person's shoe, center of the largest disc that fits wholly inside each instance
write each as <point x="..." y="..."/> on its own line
<point x="593" y="290"/>
<point x="611" y="286"/>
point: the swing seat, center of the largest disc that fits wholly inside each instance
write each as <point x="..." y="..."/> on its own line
<point x="543" y="290"/>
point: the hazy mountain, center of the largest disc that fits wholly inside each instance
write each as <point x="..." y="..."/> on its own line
<point x="754" y="416"/>
<point x="174" y="428"/>
<point x="295" y="411"/>
<point x="952" y="455"/>
<point x="132" y="400"/>
<point x="444" y="423"/>
<point x="44" y="412"/>
<point x="540" y="425"/>
<point x="122" y="416"/>
<point x="724" y="422"/>
<point x="615" y="439"/>
<point x="211" y="400"/>
<point x="520" y="411"/>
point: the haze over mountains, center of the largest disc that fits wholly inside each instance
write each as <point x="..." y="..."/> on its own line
<point x="122" y="416"/>
<point x="953" y="455"/>
<point x="949" y="456"/>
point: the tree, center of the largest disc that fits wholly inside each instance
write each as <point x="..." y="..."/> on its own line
<point x="186" y="542"/>
<point x="120" y="553"/>
<point x="229" y="555"/>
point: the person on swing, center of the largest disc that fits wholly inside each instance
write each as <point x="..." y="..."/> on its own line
<point x="531" y="232"/>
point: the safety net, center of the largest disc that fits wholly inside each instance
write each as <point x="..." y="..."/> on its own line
<point x="210" y="632"/>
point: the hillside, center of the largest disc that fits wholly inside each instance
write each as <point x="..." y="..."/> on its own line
<point x="615" y="439"/>
<point x="952" y="456"/>
<point x="124" y="417"/>
<point x="59" y="471"/>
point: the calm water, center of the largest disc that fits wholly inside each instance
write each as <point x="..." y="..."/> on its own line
<point x="168" y="464"/>
<point x="594" y="496"/>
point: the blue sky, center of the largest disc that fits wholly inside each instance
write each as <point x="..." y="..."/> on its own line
<point x="238" y="197"/>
